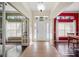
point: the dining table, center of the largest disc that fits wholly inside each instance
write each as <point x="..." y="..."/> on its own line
<point x="72" y="39"/>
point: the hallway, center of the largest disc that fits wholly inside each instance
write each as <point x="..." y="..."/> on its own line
<point x="40" y="49"/>
<point x="39" y="29"/>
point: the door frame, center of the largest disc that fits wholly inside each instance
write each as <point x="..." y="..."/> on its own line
<point x="35" y="39"/>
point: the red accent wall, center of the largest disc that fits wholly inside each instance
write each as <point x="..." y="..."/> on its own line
<point x="71" y="14"/>
<point x="66" y="14"/>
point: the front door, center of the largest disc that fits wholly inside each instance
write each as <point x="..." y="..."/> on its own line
<point x="42" y="29"/>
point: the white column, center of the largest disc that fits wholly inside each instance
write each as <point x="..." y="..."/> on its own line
<point x="3" y="28"/>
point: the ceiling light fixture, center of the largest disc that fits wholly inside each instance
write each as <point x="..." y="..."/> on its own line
<point x="41" y="7"/>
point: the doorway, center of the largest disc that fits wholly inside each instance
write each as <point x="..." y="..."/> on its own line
<point x="42" y="29"/>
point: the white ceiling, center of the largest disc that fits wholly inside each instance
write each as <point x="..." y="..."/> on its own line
<point x="74" y="7"/>
<point x="48" y="6"/>
<point x="33" y="5"/>
<point x="9" y="8"/>
<point x="55" y="8"/>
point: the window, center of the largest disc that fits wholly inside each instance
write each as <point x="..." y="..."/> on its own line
<point x="13" y="29"/>
<point x="64" y="28"/>
<point x="65" y="17"/>
<point x="58" y="17"/>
